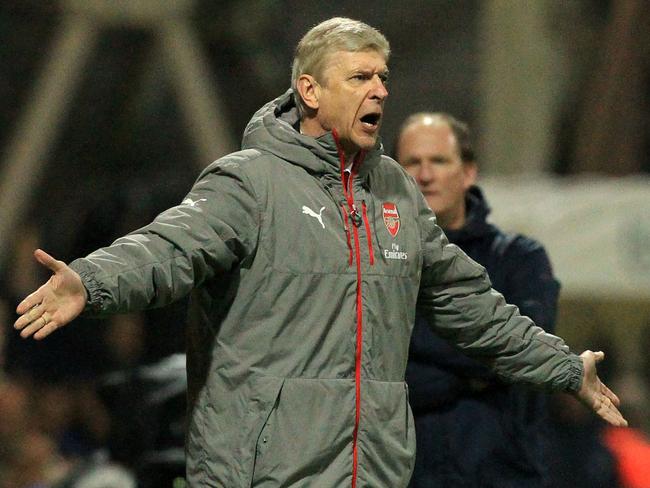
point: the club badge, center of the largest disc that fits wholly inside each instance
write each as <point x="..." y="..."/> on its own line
<point x="391" y="217"/>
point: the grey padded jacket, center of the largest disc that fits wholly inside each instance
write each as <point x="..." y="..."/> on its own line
<point x="305" y="292"/>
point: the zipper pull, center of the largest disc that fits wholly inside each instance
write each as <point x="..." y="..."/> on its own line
<point x="356" y="216"/>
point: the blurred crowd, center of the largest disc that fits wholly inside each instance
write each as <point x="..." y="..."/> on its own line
<point x="103" y="400"/>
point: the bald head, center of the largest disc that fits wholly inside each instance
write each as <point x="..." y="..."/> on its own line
<point x="430" y="119"/>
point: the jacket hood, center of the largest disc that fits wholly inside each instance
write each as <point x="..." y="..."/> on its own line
<point x="275" y="128"/>
<point x="476" y="224"/>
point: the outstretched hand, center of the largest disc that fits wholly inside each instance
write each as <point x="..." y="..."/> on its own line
<point x="54" y="304"/>
<point x="595" y="395"/>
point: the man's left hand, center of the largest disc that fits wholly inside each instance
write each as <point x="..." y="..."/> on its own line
<point x="595" y="395"/>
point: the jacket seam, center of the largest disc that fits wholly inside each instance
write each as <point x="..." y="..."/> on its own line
<point x="183" y="254"/>
<point x="260" y="213"/>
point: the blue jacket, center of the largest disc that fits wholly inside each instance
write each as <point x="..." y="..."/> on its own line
<point x="473" y="429"/>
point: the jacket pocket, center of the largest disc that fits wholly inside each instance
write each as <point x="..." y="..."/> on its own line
<point x="386" y="435"/>
<point x="306" y="439"/>
<point x="265" y="393"/>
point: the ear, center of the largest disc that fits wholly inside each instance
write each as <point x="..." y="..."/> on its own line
<point x="309" y="90"/>
<point x="470" y="173"/>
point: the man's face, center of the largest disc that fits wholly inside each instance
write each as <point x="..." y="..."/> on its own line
<point x="351" y="98"/>
<point x="429" y="152"/>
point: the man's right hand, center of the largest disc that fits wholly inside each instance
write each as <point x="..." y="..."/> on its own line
<point x="54" y="304"/>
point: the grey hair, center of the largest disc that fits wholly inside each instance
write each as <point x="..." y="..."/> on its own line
<point x="328" y="37"/>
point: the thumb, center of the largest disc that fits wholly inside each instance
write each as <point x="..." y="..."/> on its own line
<point x="48" y="261"/>
<point x="599" y="356"/>
<point x="595" y="356"/>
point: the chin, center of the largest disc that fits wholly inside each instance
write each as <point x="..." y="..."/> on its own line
<point x="367" y="144"/>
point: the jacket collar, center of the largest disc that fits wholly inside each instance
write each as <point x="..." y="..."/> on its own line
<point x="476" y="224"/>
<point x="273" y="128"/>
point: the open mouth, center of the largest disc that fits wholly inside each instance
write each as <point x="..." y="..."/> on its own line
<point x="371" y="120"/>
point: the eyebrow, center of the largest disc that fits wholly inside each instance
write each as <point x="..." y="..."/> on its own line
<point x="366" y="68"/>
<point x="384" y="74"/>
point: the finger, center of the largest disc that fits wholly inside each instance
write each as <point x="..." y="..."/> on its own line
<point x="599" y="356"/>
<point x="614" y="417"/>
<point x="50" y="327"/>
<point x="35" y="326"/>
<point x="608" y="411"/>
<point x="610" y="394"/>
<point x="32" y="314"/>
<point x="30" y="301"/>
<point x="48" y="261"/>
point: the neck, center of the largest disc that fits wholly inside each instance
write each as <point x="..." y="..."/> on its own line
<point x="311" y="127"/>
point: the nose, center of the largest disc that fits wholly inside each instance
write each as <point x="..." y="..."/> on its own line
<point x="425" y="173"/>
<point x="379" y="90"/>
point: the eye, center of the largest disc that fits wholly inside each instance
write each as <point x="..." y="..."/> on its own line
<point x="440" y="160"/>
<point x="384" y="78"/>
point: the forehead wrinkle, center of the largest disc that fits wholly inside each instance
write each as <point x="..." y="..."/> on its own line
<point x="334" y="60"/>
<point x="368" y="66"/>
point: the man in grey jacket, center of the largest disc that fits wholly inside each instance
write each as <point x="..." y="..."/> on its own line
<point x="309" y="251"/>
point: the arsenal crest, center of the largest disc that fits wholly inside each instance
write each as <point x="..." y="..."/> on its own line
<point x="391" y="217"/>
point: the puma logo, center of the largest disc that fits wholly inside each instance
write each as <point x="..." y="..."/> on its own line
<point x="311" y="213"/>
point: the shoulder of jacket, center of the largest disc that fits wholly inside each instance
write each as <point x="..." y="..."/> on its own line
<point x="513" y="244"/>
<point x="233" y="161"/>
<point x="392" y="172"/>
<point x="386" y="163"/>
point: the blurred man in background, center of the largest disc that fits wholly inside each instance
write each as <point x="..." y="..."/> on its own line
<point x="472" y="428"/>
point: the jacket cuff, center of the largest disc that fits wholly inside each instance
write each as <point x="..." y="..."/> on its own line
<point x="94" y="293"/>
<point x="574" y="375"/>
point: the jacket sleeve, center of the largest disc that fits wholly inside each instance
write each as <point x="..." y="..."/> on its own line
<point x="212" y="231"/>
<point x="530" y="286"/>
<point x="458" y="302"/>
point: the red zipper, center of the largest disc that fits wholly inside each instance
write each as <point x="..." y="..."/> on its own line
<point x="356" y="223"/>
<point x="357" y="361"/>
